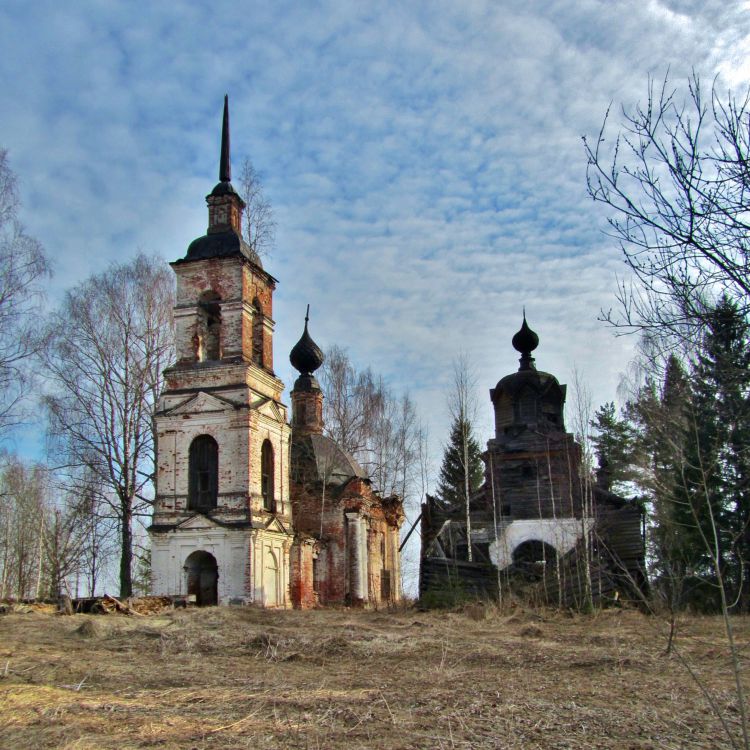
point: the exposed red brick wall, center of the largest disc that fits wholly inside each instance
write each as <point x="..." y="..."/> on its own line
<point x="301" y="586"/>
<point x="383" y="518"/>
<point x="307" y="411"/>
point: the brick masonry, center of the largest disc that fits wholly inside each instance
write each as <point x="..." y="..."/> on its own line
<point x="321" y="543"/>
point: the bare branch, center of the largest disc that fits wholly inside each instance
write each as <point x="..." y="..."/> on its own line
<point x="107" y="347"/>
<point x="676" y="179"/>
<point x="259" y="227"/>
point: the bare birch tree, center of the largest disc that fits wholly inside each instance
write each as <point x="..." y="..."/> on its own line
<point x="45" y="533"/>
<point x="352" y="399"/>
<point x="85" y="531"/>
<point x="676" y="179"/>
<point x="108" y="345"/>
<point x="463" y="408"/>
<point x="100" y="534"/>
<point x="582" y="413"/>
<point x="22" y="529"/>
<point x="259" y="227"/>
<point x="23" y="266"/>
<point x="365" y="418"/>
<point x="62" y="541"/>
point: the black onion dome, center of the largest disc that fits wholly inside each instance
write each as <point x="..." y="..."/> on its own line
<point x="525" y="341"/>
<point x="544" y="386"/>
<point x="306" y="356"/>
<point x="224" y="188"/>
<point x="538" y="381"/>
<point x="227" y="244"/>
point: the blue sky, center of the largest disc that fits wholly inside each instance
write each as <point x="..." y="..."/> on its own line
<point x="424" y="160"/>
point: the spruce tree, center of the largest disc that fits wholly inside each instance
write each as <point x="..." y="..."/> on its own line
<point x="613" y="443"/>
<point x="451" y="484"/>
<point x="660" y="417"/>
<point x="721" y="377"/>
<point x="692" y="434"/>
<point x="680" y="499"/>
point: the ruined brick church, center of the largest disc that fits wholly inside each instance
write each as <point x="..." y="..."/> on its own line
<point x="251" y="507"/>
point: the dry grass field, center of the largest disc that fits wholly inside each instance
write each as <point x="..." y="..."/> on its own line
<point x="245" y="678"/>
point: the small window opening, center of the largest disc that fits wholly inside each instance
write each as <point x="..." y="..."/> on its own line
<point x="257" y="333"/>
<point x="210" y="313"/>
<point x="266" y="477"/>
<point x="316" y="574"/>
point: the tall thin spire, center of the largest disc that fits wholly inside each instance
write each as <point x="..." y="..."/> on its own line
<point x="225" y="165"/>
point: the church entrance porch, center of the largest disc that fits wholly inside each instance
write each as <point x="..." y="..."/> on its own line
<point x="202" y="578"/>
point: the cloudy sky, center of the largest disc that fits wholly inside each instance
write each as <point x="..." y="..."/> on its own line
<point x="424" y="159"/>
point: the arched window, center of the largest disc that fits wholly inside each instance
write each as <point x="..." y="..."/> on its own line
<point x="210" y="311"/>
<point x="203" y="480"/>
<point x="266" y="476"/>
<point x="257" y="333"/>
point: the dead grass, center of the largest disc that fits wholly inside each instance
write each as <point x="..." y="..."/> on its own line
<point x="246" y="678"/>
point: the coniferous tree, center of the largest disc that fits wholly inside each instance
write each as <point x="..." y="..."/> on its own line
<point x="451" y="484"/>
<point x="692" y="461"/>
<point x="613" y="443"/>
<point x="660" y="416"/>
<point x="721" y="383"/>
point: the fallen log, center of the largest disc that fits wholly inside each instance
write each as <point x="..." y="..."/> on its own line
<point x="122" y="606"/>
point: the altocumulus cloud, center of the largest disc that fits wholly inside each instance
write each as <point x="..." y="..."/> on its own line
<point x="424" y="159"/>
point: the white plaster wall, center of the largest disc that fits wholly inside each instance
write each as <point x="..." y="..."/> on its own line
<point x="357" y="542"/>
<point x="265" y="542"/>
<point x="560" y="533"/>
<point x="175" y="435"/>
<point x="170" y="551"/>
<point x="278" y="434"/>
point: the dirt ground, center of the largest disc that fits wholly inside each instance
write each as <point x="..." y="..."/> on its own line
<point x="245" y="678"/>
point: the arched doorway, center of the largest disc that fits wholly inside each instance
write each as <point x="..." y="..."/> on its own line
<point x="271" y="578"/>
<point x="534" y="560"/>
<point x="202" y="578"/>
